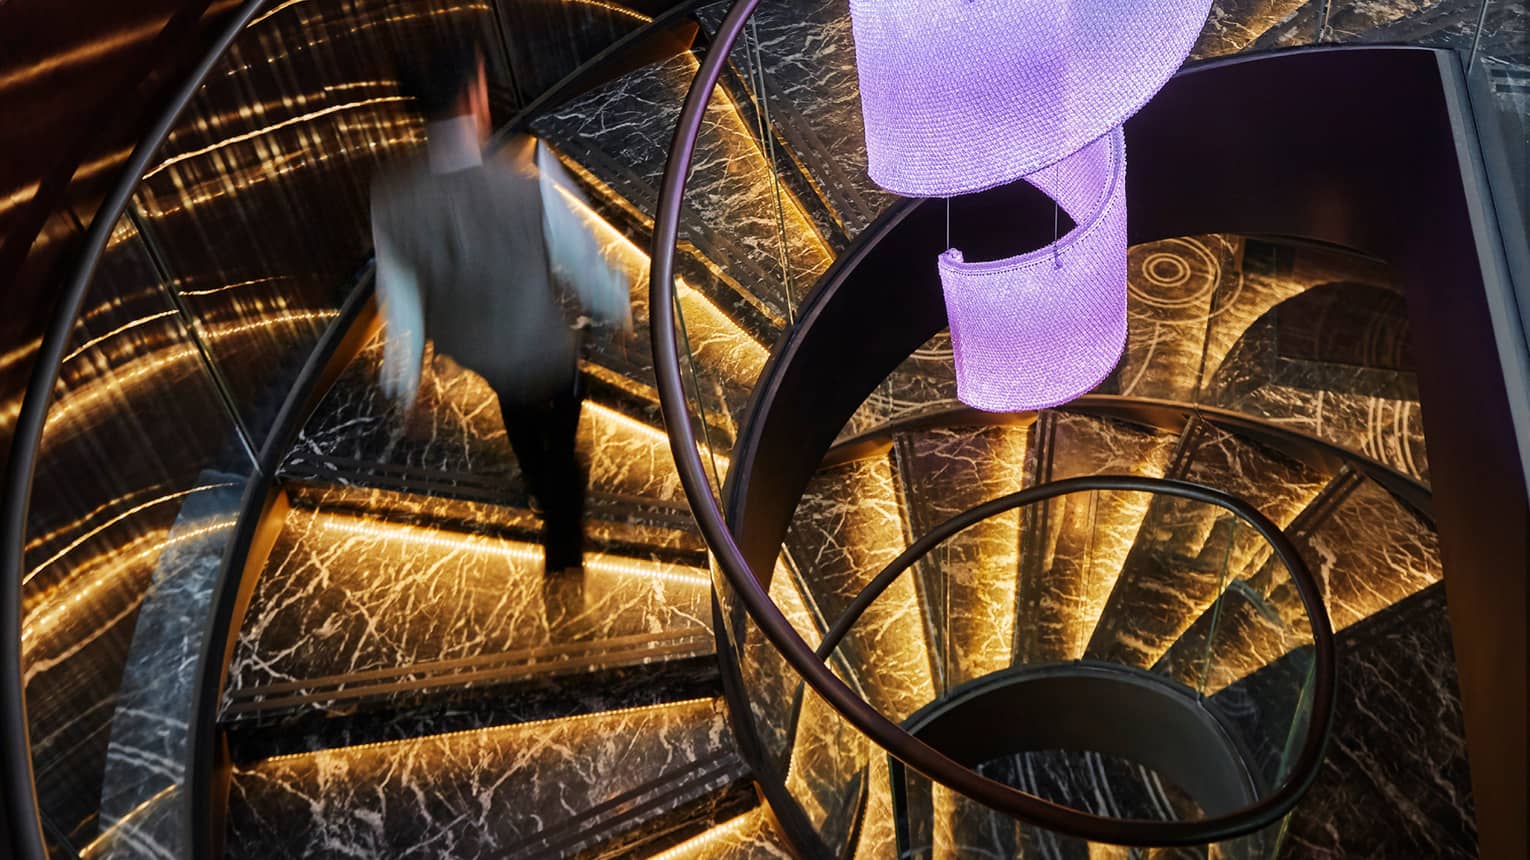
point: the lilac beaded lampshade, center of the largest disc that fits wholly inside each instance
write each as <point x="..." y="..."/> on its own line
<point x="960" y="96"/>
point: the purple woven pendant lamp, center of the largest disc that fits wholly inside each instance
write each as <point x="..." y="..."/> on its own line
<point x="964" y="95"/>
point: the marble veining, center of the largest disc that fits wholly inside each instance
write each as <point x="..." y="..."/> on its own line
<point x="1072" y="547"/>
<point x="1367" y="551"/>
<point x="879" y="836"/>
<point x="967" y="584"/>
<point x="773" y="685"/>
<point x="1187" y="551"/>
<point x="448" y="707"/>
<point x="1239" y="25"/>
<point x="923" y="383"/>
<point x="848" y="526"/>
<point x="145" y="757"/>
<point x="483" y="793"/>
<point x="1322" y="349"/>
<point x="806" y="54"/>
<point x="455" y="434"/>
<point x="353" y="603"/>
<point x="1395" y="781"/>
<point x="750" y="836"/>
<point x="828" y="770"/>
<point x="620" y="132"/>
<point x="948" y="826"/>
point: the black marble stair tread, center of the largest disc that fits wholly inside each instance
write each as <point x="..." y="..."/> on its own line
<point x="255" y="734"/>
<point x="1395" y="781"/>
<point x="620" y="133"/>
<point x="967" y="587"/>
<point x="814" y="98"/>
<point x="552" y="788"/>
<point x="455" y="433"/>
<point x="1365" y="548"/>
<point x="1091" y="782"/>
<point x="751" y="835"/>
<point x="1186" y="551"/>
<point x="619" y="525"/>
<point x="1072" y="547"/>
<point x="848" y="526"/>
<point x="345" y="600"/>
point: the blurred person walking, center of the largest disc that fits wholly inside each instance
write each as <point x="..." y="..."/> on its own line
<point x="482" y="257"/>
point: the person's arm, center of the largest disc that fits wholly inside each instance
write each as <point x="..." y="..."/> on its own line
<point x="403" y="310"/>
<point x="572" y="249"/>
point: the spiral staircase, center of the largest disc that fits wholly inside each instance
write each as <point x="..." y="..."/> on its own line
<point x="401" y="680"/>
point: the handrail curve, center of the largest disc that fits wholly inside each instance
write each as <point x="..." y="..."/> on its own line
<point x="730" y="560"/>
<point x="1272" y="533"/>
<point x="21" y="808"/>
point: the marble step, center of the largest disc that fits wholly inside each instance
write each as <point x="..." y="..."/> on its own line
<point x="629" y="526"/>
<point x="619" y="135"/>
<point x="966" y="586"/>
<point x="1395" y="781"/>
<point x="730" y="351"/>
<point x="351" y="609"/>
<point x="753" y="835"/>
<point x="1186" y="552"/>
<point x="1073" y="546"/>
<point x="454" y="435"/>
<point x="556" y="788"/>
<point x="1366" y="549"/>
<point x="806" y="56"/>
<point x="849" y="524"/>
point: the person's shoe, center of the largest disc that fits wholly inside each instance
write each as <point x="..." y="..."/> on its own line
<point x="563" y="595"/>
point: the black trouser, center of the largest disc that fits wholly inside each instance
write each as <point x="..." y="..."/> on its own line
<point x="543" y="437"/>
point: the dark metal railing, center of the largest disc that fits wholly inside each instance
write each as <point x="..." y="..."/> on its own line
<point x="21" y="809"/>
<point x="21" y="814"/>
<point x="802" y="657"/>
<point x="1284" y="549"/>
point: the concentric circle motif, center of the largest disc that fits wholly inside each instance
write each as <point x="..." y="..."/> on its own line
<point x="1172" y="280"/>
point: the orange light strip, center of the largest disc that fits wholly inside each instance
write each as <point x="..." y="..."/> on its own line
<point x="113" y="521"/>
<point x="707" y="843"/>
<point x="101" y="840"/>
<point x="116" y="331"/>
<point x="250" y="135"/>
<point x="612" y="7"/>
<point x="57" y="606"/>
<point x="514" y="550"/>
<point x="491" y="730"/>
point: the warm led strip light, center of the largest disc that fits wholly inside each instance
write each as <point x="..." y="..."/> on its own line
<point x="523" y="552"/>
<point x="636" y="262"/>
<point x="612" y="7"/>
<point x="656" y="435"/>
<point x="117" y="519"/>
<point x="703" y="844"/>
<point x="128" y="326"/>
<point x="490" y="730"/>
<point x="122" y="822"/>
<point x="42" y="621"/>
<point x="250" y="135"/>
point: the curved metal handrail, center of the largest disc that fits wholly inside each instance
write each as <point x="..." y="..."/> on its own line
<point x="15" y="741"/>
<point x="902" y="745"/>
<point x="1272" y="533"/>
<point x="1167" y="415"/>
<point x="21" y="808"/>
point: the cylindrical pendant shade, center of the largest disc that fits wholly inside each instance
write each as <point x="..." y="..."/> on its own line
<point x="1044" y="327"/>
<point x="960" y="96"/>
<point x="963" y="95"/>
